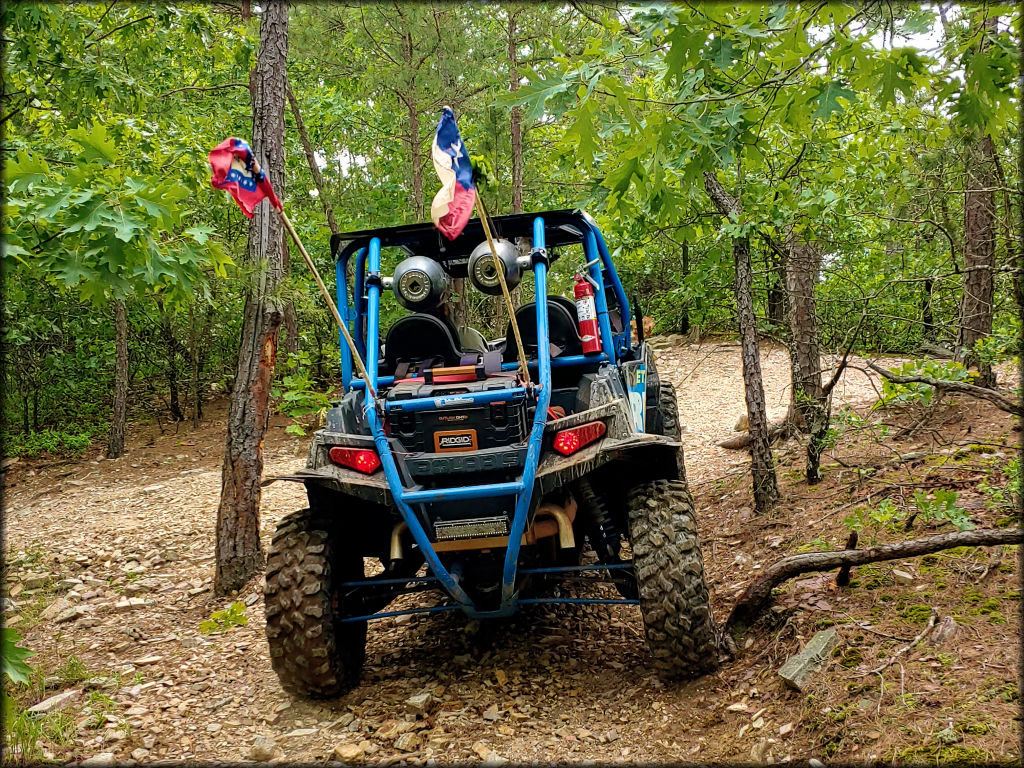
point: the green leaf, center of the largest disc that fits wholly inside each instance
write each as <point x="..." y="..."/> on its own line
<point x="828" y="100"/>
<point x="95" y="143"/>
<point x="14" y="665"/>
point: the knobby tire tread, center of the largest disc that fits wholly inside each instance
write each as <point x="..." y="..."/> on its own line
<point x="669" y="567"/>
<point x="313" y="654"/>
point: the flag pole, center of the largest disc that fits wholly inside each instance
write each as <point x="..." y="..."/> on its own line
<point x="500" y="269"/>
<point x="275" y="203"/>
<point x="357" y="359"/>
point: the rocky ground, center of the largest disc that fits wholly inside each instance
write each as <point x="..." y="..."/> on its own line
<point x="109" y="569"/>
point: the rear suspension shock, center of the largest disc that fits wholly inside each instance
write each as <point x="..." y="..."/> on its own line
<point x="601" y="529"/>
<point x="605" y="535"/>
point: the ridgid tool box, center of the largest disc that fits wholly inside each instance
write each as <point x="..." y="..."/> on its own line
<point x="447" y="430"/>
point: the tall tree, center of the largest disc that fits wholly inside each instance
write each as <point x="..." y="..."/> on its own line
<point x="239" y="552"/>
<point x="762" y="467"/>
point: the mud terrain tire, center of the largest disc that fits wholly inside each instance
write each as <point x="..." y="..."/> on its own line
<point x="669" y="566"/>
<point x="668" y="412"/>
<point x="313" y="653"/>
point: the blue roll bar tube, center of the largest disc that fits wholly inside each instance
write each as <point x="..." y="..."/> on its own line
<point x="600" y="299"/>
<point x="341" y="293"/>
<point x="384" y="450"/>
<point x="508" y="576"/>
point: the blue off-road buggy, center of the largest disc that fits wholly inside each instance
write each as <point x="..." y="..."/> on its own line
<point x="495" y="482"/>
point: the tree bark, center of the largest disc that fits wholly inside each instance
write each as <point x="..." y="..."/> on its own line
<point x="762" y="467"/>
<point x="684" y="323"/>
<point x="516" y="124"/>
<point x="979" y="243"/>
<point x="412" y="136"/>
<point x="314" y="169"/>
<point x="170" y="347"/>
<point x="239" y="552"/>
<point x="757" y="596"/>
<point x="119" y="417"/>
<point x="810" y="408"/>
<point x="803" y="262"/>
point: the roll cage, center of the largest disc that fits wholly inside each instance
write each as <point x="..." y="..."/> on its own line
<point x="360" y="308"/>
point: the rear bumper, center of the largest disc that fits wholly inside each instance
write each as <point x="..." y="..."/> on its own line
<point x="656" y="454"/>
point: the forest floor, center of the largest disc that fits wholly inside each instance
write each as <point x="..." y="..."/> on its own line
<point x="110" y="564"/>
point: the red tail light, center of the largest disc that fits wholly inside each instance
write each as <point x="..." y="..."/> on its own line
<point x="568" y="441"/>
<point x="360" y="459"/>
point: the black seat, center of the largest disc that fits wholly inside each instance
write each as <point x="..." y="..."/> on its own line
<point x="419" y="337"/>
<point x="563" y="329"/>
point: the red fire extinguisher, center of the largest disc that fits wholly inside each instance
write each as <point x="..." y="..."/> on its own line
<point x="586" y="310"/>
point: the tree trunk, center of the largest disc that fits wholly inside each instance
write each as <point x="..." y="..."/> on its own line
<point x="239" y="552"/>
<point x="776" y="299"/>
<point x="766" y="491"/>
<point x="167" y="332"/>
<point x="803" y="262"/>
<point x="314" y="169"/>
<point x="979" y="240"/>
<point x="979" y="254"/>
<point x="115" y="444"/>
<point x="25" y="425"/>
<point x="758" y="595"/>
<point x="516" y="116"/>
<point x="412" y="136"/>
<point x="927" y="318"/>
<point x="684" y="323"/>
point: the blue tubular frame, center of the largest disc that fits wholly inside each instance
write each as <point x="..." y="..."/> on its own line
<point x="363" y="316"/>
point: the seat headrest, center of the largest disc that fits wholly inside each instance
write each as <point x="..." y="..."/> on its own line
<point x="419" y="337"/>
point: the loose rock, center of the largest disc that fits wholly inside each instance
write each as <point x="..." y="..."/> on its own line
<point x="349" y="752"/>
<point x="262" y="749"/>
<point x="419" y="704"/>
<point x="798" y="669"/>
<point x="101" y="760"/>
<point x="55" y="703"/>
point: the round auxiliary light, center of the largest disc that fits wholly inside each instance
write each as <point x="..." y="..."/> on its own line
<point x="482" y="270"/>
<point x="419" y="283"/>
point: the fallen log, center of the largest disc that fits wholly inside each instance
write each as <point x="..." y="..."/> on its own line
<point x="756" y="598"/>
<point x="999" y="400"/>
<point x="775" y="432"/>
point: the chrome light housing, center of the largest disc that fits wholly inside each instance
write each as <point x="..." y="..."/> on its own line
<point x="482" y="271"/>
<point x="419" y="283"/>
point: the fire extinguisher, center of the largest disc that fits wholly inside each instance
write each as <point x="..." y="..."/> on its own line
<point x="586" y="311"/>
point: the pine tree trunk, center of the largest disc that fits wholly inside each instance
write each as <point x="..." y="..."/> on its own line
<point x="115" y="444"/>
<point x="314" y="169"/>
<point x="516" y="116"/>
<point x="766" y="491"/>
<point x="803" y="262"/>
<point x="167" y="332"/>
<point x="239" y="553"/>
<point x="979" y="253"/>
<point x="684" y="323"/>
<point x="412" y="137"/>
<point x="810" y="407"/>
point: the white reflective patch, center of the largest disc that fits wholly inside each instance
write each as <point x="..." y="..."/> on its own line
<point x="445" y="402"/>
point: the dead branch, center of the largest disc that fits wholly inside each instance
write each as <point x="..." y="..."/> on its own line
<point x="932" y="618"/>
<point x="775" y="432"/>
<point x="1000" y="401"/>
<point x="758" y="595"/>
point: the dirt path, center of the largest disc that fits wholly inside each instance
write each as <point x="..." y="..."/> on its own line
<point x="111" y="563"/>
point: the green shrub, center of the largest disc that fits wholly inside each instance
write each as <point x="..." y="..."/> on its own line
<point x="52" y="442"/>
<point x="922" y="394"/>
<point x="941" y="506"/>
<point x="299" y="396"/>
<point x="222" y="621"/>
